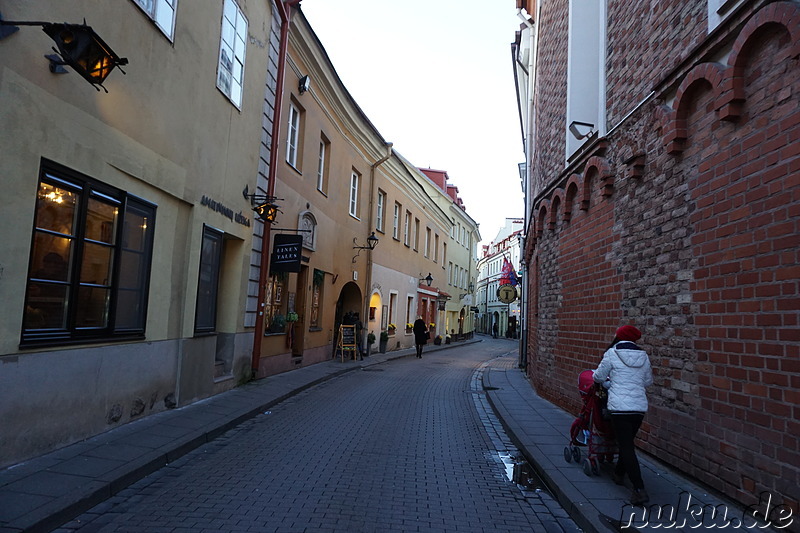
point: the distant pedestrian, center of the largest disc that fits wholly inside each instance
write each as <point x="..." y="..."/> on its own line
<point x="495" y="330"/>
<point x="627" y="369"/>
<point x="420" y="335"/>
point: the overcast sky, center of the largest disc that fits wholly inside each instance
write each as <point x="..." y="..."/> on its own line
<point x="435" y="78"/>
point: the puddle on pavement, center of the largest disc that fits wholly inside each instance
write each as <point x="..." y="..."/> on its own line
<point x="519" y="471"/>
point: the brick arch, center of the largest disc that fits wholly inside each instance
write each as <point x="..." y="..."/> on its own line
<point x="556" y="205"/>
<point x="675" y="130"/>
<point x="600" y="165"/>
<point x="574" y="188"/>
<point x="785" y="14"/>
<point x="542" y="210"/>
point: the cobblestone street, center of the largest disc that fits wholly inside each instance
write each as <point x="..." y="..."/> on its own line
<point x="410" y="445"/>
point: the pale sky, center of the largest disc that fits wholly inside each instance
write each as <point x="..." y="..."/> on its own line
<point x="435" y="78"/>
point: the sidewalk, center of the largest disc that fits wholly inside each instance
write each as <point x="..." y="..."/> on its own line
<point x="541" y="431"/>
<point x="43" y="493"/>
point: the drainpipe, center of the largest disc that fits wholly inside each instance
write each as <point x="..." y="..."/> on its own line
<point x="529" y="150"/>
<point x="284" y="8"/>
<point x="371" y="222"/>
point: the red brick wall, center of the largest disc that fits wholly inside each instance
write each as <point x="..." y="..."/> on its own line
<point x="551" y="78"/>
<point x="697" y="243"/>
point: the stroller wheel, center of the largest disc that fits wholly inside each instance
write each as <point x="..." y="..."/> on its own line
<point x="567" y="454"/>
<point x="595" y="469"/>
<point x="587" y="467"/>
<point x="576" y="454"/>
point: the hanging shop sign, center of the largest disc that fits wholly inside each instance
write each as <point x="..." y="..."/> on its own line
<point x="286" y="253"/>
<point x="507" y="293"/>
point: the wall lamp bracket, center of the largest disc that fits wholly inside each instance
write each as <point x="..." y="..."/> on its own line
<point x="263" y="204"/>
<point x="372" y="242"/>
<point x="427" y="279"/>
<point x="78" y="46"/>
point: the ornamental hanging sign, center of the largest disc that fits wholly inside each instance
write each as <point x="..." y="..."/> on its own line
<point x="286" y="253"/>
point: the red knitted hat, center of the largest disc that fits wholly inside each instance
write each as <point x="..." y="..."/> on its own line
<point x="629" y="333"/>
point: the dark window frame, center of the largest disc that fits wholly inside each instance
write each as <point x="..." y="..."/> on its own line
<point x="88" y="189"/>
<point x="207" y="308"/>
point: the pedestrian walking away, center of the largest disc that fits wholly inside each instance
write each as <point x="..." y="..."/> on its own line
<point x="625" y="371"/>
<point x="420" y="335"/>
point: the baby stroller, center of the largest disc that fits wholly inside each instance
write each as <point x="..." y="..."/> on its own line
<point x="590" y="429"/>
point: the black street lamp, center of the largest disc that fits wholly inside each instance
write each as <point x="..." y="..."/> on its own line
<point x="78" y="46"/>
<point x="427" y="279"/>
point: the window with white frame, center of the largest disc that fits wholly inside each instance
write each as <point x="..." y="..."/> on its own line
<point x="322" y="165"/>
<point x="354" y="179"/>
<point x="427" y="250"/>
<point x="396" y="221"/>
<point x="162" y="13"/>
<point x="230" y="71"/>
<point x="407" y="229"/>
<point x="436" y="249"/>
<point x="380" y="215"/>
<point x="293" y="135"/>
<point x="416" y="234"/>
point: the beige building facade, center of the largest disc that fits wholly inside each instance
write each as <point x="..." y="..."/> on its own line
<point x="131" y="257"/>
<point x="125" y="237"/>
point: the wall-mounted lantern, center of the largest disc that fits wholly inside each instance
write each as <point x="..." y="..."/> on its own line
<point x="427" y="279"/>
<point x="372" y="242"/>
<point x="78" y="46"/>
<point x="304" y="84"/>
<point x="264" y="206"/>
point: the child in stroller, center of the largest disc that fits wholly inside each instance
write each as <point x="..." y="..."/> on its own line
<point x="590" y="429"/>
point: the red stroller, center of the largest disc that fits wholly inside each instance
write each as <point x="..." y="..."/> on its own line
<point x="590" y="429"/>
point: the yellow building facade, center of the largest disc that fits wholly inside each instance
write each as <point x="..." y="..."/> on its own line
<point x="125" y="238"/>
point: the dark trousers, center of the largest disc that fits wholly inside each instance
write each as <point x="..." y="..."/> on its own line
<point x="419" y="350"/>
<point x="625" y="428"/>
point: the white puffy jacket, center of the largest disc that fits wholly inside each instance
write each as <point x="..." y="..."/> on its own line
<point x="628" y="368"/>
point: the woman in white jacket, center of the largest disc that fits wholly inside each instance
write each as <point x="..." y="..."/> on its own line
<point x="627" y="369"/>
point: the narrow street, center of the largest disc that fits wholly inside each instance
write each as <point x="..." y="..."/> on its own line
<point x="409" y="445"/>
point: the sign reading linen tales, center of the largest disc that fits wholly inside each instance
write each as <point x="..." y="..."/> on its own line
<point x="286" y="253"/>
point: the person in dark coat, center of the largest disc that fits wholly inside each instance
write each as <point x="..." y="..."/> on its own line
<point x="420" y="335"/>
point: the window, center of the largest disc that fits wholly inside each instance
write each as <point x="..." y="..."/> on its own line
<point x="322" y="166"/>
<point x="89" y="270"/>
<point x="353" y="210"/>
<point x="396" y="221"/>
<point x="275" y="303"/>
<point x="450" y="273"/>
<point x="416" y="234"/>
<point x="392" y="307"/>
<point x="205" y="316"/>
<point x="409" y="312"/>
<point x="381" y="208"/>
<point x="427" y="242"/>
<point x="230" y="73"/>
<point x="436" y="248"/>
<point x="293" y="135"/>
<point x="444" y="253"/>
<point x="407" y="229"/>
<point x="162" y="13"/>
<point x="316" y="298"/>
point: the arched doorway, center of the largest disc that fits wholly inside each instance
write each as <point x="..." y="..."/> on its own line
<point x="374" y="320"/>
<point x="349" y="302"/>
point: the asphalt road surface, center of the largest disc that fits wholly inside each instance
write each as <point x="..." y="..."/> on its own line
<point x="410" y="445"/>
